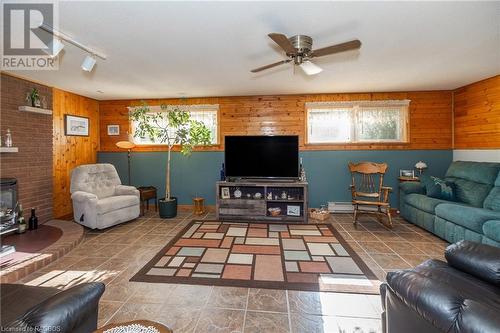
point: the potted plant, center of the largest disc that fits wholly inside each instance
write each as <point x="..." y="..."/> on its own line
<point x="34" y="98"/>
<point x="171" y="126"/>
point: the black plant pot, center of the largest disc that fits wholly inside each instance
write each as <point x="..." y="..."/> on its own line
<point x="167" y="208"/>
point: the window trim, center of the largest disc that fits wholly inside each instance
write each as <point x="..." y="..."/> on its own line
<point x="405" y="121"/>
<point x="185" y="107"/>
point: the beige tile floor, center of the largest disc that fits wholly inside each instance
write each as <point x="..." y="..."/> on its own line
<point x="113" y="256"/>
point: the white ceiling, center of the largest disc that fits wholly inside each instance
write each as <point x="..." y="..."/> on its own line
<point x="174" y="49"/>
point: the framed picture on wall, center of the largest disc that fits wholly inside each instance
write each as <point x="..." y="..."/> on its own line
<point x="113" y="129"/>
<point x="76" y="125"/>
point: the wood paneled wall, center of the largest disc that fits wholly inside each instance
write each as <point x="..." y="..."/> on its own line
<point x="71" y="151"/>
<point x="430" y="118"/>
<point x="477" y="115"/>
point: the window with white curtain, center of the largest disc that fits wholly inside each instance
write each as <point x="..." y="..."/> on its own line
<point x="357" y="121"/>
<point x="206" y="113"/>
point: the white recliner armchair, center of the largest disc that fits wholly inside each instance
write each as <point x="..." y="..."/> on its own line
<point x="99" y="199"/>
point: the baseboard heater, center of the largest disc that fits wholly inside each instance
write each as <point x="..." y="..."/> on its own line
<point x="345" y="207"/>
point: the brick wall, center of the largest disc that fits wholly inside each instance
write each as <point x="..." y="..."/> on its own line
<point x="32" y="134"/>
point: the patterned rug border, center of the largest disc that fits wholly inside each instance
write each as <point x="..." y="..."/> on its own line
<point x="141" y="276"/>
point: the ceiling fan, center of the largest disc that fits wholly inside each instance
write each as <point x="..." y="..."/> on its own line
<point x="299" y="50"/>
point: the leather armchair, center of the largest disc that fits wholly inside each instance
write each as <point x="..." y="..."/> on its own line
<point x="99" y="198"/>
<point x="73" y="310"/>
<point x="462" y="295"/>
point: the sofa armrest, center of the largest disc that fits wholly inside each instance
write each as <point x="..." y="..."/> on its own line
<point x="441" y="305"/>
<point x="83" y="196"/>
<point x="126" y="190"/>
<point x="412" y="187"/>
<point x="479" y="260"/>
<point x="63" y="312"/>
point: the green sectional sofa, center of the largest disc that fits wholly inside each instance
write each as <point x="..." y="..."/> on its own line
<point x="476" y="214"/>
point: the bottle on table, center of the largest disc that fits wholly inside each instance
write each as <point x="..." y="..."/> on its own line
<point x="33" y="221"/>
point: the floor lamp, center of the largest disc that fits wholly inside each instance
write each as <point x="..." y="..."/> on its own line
<point x="127" y="145"/>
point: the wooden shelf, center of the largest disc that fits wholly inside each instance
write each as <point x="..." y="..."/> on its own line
<point x="26" y="108"/>
<point x="9" y="149"/>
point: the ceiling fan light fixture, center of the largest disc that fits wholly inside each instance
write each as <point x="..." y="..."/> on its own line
<point x="310" y="68"/>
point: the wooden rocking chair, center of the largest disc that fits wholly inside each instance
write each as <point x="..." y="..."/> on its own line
<point x="367" y="189"/>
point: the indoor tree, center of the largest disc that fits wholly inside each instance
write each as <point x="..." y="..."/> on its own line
<point x="171" y="126"/>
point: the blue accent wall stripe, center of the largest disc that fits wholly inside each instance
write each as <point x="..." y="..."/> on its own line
<point x="327" y="172"/>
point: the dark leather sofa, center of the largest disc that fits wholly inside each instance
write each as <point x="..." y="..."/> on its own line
<point x="462" y="295"/>
<point x="73" y="310"/>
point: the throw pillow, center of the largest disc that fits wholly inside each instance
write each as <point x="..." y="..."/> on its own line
<point x="439" y="188"/>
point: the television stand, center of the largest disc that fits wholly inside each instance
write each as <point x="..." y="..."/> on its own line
<point x="262" y="201"/>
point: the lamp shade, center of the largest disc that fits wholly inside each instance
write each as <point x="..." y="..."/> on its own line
<point x="125" y="144"/>
<point x="421" y="165"/>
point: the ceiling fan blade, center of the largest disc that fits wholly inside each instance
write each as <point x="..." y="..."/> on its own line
<point x="283" y="42"/>
<point x="270" y="66"/>
<point x="347" y="46"/>
<point x="310" y="68"/>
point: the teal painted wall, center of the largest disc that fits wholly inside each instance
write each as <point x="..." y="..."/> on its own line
<point x="326" y="171"/>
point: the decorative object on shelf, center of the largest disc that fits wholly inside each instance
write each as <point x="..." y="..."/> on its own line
<point x="21" y="223"/>
<point x="171" y="126"/>
<point x="276" y="197"/>
<point x="420" y="166"/>
<point x="319" y="214"/>
<point x="8" y="138"/>
<point x="274" y="211"/>
<point x="284" y="195"/>
<point x="222" y="173"/>
<point x="270" y="196"/>
<point x="249" y="195"/>
<point x="129" y="146"/>
<point x="303" y="177"/>
<point x="33" y="221"/>
<point x="44" y="102"/>
<point x="225" y="193"/>
<point x="237" y="194"/>
<point x="33" y="97"/>
<point x="407" y="173"/>
<point x="76" y="125"/>
<point x="293" y="210"/>
<point x="113" y="130"/>
<point x="257" y="195"/>
<point x="198" y="206"/>
<point x="290" y="197"/>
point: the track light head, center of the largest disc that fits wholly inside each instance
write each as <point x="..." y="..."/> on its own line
<point x="55" y="47"/>
<point x="88" y="63"/>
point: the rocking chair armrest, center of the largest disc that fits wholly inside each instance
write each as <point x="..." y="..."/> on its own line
<point x="387" y="188"/>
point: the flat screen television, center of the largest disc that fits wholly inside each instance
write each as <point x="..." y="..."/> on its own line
<point x="263" y="157"/>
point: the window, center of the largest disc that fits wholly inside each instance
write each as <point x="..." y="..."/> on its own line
<point x="206" y="114"/>
<point x="359" y="121"/>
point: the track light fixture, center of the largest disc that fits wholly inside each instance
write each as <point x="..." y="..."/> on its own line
<point x="88" y="63"/>
<point x="55" y="47"/>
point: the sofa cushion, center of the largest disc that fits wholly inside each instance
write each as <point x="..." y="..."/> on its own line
<point x="110" y="204"/>
<point x="491" y="229"/>
<point x="492" y="201"/>
<point x="438" y="188"/>
<point x="412" y="187"/>
<point x="423" y="202"/>
<point x="479" y="260"/>
<point x="473" y="180"/>
<point x="468" y="217"/>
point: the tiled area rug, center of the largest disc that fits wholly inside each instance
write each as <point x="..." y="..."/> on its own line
<point x="263" y="255"/>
